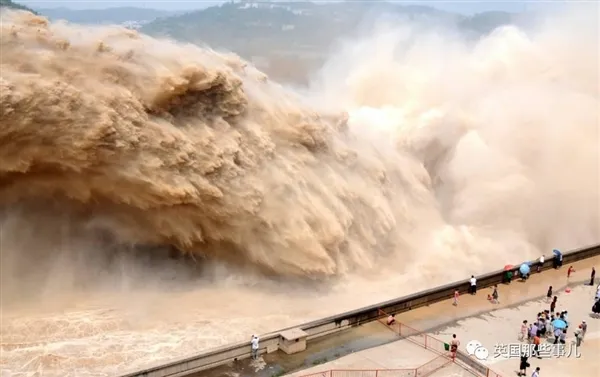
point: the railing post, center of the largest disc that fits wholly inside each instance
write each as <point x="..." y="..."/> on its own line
<point x="376" y="372"/>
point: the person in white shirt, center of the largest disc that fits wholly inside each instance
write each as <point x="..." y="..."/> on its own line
<point x="254" y="343"/>
<point x="536" y="372"/>
<point x="539" y="267"/>
<point x="473" y="287"/>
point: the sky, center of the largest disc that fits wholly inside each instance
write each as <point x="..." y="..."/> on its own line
<point x="465" y="6"/>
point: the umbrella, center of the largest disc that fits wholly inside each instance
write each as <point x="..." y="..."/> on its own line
<point x="524" y="269"/>
<point x="559" y="324"/>
<point x="508" y="267"/>
<point x="556" y="252"/>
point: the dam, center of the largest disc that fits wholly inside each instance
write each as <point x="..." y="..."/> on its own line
<point x="415" y="159"/>
<point x="345" y="335"/>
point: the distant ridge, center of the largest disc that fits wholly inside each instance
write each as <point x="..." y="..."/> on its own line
<point x="306" y="25"/>
<point x="287" y="38"/>
<point x="117" y="15"/>
<point x="12" y="5"/>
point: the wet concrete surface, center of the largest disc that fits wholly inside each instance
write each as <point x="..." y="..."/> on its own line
<point x="319" y="351"/>
<point x="429" y="319"/>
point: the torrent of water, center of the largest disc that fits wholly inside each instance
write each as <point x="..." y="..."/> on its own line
<point x="158" y="199"/>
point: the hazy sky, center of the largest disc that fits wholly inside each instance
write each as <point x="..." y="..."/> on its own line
<point x="466" y="6"/>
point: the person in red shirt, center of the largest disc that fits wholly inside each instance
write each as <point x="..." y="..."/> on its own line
<point x="536" y="345"/>
<point x="570" y="271"/>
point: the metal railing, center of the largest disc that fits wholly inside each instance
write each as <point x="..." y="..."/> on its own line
<point x="435" y="345"/>
<point x="422" y="371"/>
<point x="326" y="326"/>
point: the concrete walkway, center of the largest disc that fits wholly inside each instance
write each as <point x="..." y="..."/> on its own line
<point x="366" y="346"/>
<point x="501" y="327"/>
<point x="473" y="320"/>
<point x="401" y="354"/>
<point x="511" y="295"/>
<point x="452" y="370"/>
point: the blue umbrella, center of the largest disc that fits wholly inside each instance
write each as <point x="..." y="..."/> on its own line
<point x="556" y="252"/>
<point x="559" y="324"/>
<point x="524" y="269"/>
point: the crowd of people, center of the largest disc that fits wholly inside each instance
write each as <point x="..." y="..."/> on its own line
<point x="550" y="328"/>
<point x="553" y="326"/>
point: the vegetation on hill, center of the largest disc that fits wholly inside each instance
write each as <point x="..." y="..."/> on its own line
<point x="301" y="33"/>
<point x="295" y="26"/>
<point x="12" y="5"/>
<point x="105" y="16"/>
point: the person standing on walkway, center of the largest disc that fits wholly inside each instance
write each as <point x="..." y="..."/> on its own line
<point x="553" y="304"/>
<point x="473" y="285"/>
<point x="536" y="373"/>
<point x="583" y="330"/>
<point x="565" y="317"/>
<point x="557" y="333"/>
<point x="549" y="295"/>
<point x="523" y="365"/>
<point x="455" y="300"/>
<point x="541" y="264"/>
<point x="495" y="296"/>
<point x="550" y="327"/>
<point x="542" y="327"/>
<point x="454" y="346"/>
<point x="577" y="334"/>
<point x="533" y="330"/>
<point x="570" y="271"/>
<point x="563" y="337"/>
<point x="523" y="333"/>
<point x="254" y="343"/>
<point x="536" y="345"/>
<point x="560" y="260"/>
<point x="592" y="276"/>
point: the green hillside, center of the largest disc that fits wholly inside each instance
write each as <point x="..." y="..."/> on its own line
<point x="289" y="39"/>
<point x="248" y="27"/>
<point x="12" y="5"/>
<point x="105" y="16"/>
